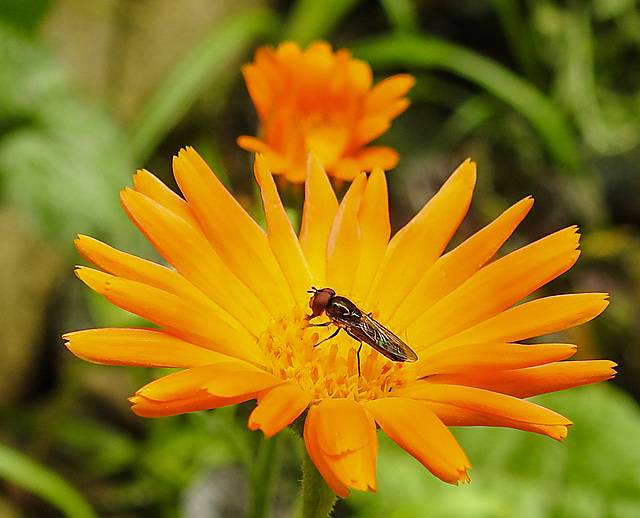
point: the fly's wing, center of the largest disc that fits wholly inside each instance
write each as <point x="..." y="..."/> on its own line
<point x="381" y="339"/>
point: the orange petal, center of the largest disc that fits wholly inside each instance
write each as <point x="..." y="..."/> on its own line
<point x="375" y="229"/>
<point x="195" y="402"/>
<point x="343" y="246"/>
<point x="222" y="380"/>
<point x="376" y="156"/>
<point x="139" y="347"/>
<point x="386" y="90"/>
<point x="259" y="87"/>
<point x="344" y="442"/>
<point x="200" y="388"/>
<point x="278" y="407"/>
<point x="346" y="169"/>
<point x="391" y="110"/>
<point x="455" y="267"/>
<point x="320" y="208"/>
<point x="468" y="406"/>
<point x="253" y="144"/>
<point x="145" y="183"/>
<point x="236" y="238"/>
<point x="536" y="318"/>
<point x="320" y="460"/>
<point x="532" y="381"/>
<point x="486" y="358"/>
<point x="497" y="286"/>
<point x="188" y="251"/>
<point x="418" y="245"/>
<point x="417" y="430"/>
<point x="136" y="269"/>
<point x="369" y="129"/>
<point x="282" y="237"/>
<point x="188" y="320"/>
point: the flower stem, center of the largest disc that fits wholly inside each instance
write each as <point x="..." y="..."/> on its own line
<point x="263" y="477"/>
<point x="318" y="498"/>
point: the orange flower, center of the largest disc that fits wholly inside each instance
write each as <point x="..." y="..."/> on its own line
<point x="232" y="316"/>
<point x="321" y="100"/>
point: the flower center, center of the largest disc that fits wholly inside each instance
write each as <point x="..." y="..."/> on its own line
<point x="330" y="368"/>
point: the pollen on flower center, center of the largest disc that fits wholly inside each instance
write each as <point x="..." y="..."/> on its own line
<point x="329" y="369"/>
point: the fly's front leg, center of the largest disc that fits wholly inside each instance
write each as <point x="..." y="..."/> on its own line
<point x="358" y="356"/>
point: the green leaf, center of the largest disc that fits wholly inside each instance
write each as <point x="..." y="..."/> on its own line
<point x="426" y="52"/>
<point x="22" y="471"/>
<point x="311" y="20"/>
<point x="403" y="15"/>
<point x="206" y="64"/>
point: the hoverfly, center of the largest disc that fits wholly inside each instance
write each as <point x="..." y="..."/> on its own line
<point x="360" y="326"/>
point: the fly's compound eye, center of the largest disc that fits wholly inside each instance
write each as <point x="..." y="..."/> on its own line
<point x="319" y="301"/>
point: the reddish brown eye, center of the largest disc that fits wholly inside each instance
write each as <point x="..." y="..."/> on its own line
<point x="320" y="300"/>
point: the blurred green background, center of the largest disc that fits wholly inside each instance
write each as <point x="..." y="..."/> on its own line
<point x="544" y="95"/>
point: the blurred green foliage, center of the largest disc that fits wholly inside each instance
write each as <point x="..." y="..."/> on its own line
<point x="545" y="96"/>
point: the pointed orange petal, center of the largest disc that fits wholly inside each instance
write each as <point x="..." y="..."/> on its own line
<point x="188" y="251"/>
<point x="343" y="246"/>
<point x="146" y="183"/>
<point x="536" y="318"/>
<point x="193" y="402"/>
<point x="138" y="346"/>
<point x="190" y="390"/>
<point x="278" y="407"/>
<point x="282" y="237"/>
<point x="196" y="323"/>
<point x="387" y="90"/>
<point x="136" y="269"/>
<point x="375" y="229"/>
<point x="253" y="144"/>
<point x="455" y="267"/>
<point x="468" y="406"/>
<point x="418" y="245"/>
<point x="532" y="381"/>
<point x="486" y="358"/>
<point x="259" y="88"/>
<point x="345" y="442"/>
<point x="497" y="286"/>
<point x="320" y="208"/>
<point x="222" y="380"/>
<point x="392" y="109"/>
<point x="236" y="238"/>
<point x="417" y="430"/>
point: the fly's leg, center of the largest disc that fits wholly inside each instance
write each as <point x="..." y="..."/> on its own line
<point x="358" y="356"/>
<point x="328" y="337"/>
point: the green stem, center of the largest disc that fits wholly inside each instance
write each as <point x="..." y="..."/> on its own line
<point x="263" y="478"/>
<point x="318" y="498"/>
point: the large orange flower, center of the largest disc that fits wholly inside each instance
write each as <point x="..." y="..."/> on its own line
<point x="321" y="100"/>
<point x="232" y="312"/>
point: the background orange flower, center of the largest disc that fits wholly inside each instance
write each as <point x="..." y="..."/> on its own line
<point x="322" y="101"/>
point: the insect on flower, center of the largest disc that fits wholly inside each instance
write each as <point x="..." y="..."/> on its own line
<point x="360" y="326"/>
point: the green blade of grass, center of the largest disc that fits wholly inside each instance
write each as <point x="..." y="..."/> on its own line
<point x="522" y="96"/>
<point x="24" y="472"/>
<point x="311" y="20"/>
